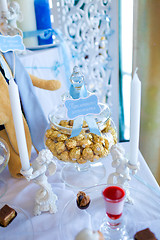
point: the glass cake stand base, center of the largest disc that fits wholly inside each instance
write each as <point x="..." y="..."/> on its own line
<point x="83" y="175"/>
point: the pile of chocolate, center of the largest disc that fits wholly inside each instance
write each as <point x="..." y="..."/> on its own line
<point x="82" y="148"/>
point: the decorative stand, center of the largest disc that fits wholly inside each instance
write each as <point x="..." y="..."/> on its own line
<point x="45" y="199"/>
<point x="122" y="174"/>
<point x="87" y="27"/>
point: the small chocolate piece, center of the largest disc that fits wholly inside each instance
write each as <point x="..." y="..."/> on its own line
<point x="145" y="234"/>
<point x="83" y="200"/>
<point x="7" y="214"/>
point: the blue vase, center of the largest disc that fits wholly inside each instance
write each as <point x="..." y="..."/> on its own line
<point x="43" y="20"/>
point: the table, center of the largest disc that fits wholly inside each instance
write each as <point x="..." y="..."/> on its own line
<point x="46" y="226"/>
<point x="21" y="193"/>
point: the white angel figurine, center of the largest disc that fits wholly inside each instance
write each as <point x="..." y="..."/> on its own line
<point x="9" y="18"/>
<point x="121" y="175"/>
<point x="14" y="16"/>
<point x="45" y="199"/>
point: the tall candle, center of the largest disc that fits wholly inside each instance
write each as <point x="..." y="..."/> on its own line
<point x="43" y="19"/>
<point x="135" y="118"/>
<point x="3" y="6"/>
<point x="18" y="124"/>
<point x="29" y="21"/>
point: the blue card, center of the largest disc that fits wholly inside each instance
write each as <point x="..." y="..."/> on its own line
<point x="82" y="109"/>
<point x="11" y="43"/>
<point x="82" y="106"/>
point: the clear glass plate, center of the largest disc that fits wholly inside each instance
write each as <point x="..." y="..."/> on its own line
<point x="20" y="228"/>
<point x="143" y="213"/>
<point x="5" y="154"/>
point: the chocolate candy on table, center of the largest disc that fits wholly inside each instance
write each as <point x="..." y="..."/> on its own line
<point x="7" y="214"/>
<point x="145" y="234"/>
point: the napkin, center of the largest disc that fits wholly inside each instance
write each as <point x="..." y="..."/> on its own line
<point x="32" y="109"/>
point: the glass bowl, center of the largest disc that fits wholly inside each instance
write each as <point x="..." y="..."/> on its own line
<point x="4" y="158"/>
<point x="84" y="152"/>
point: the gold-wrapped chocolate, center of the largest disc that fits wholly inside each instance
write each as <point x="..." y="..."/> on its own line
<point x="61" y="137"/>
<point x="87" y="153"/>
<point x="63" y="123"/>
<point x="75" y="153"/>
<point x="71" y="122"/>
<point x="97" y="139"/>
<point x="49" y="142"/>
<point x="88" y="136"/>
<point x="48" y="133"/>
<point x="104" y="153"/>
<point x="85" y="143"/>
<point x="54" y="134"/>
<point x="60" y="147"/>
<point x="82" y="148"/>
<point x="81" y="160"/>
<point x="79" y="137"/>
<point x="97" y="149"/>
<point x="64" y="156"/>
<point x="95" y="158"/>
<point x="106" y="143"/>
<point x="85" y="124"/>
<point x="71" y="143"/>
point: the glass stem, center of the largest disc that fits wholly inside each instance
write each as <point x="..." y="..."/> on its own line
<point x="83" y="167"/>
<point x="113" y="223"/>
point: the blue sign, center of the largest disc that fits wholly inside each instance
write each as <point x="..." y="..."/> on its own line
<point x="11" y="43"/>
<point x="82" y="106"/>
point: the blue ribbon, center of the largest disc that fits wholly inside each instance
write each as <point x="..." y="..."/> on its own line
<point x="77" y="126"/>
<point x="92" y="125"/>
<point x="78" y="123"/>
<point x="45" y="33"/>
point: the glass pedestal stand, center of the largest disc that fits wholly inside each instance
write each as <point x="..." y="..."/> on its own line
<point x="83" y="175"/>
<point x="113" y="231"/>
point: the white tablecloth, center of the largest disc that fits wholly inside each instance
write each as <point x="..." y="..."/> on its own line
<point x="21" y="193"/>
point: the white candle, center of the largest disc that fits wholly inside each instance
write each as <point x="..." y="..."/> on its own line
<point x="3" y="6"/>
<point x="135" y="118"/>
<point x="29" y="21"/>
<point x="18" y="124"/>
